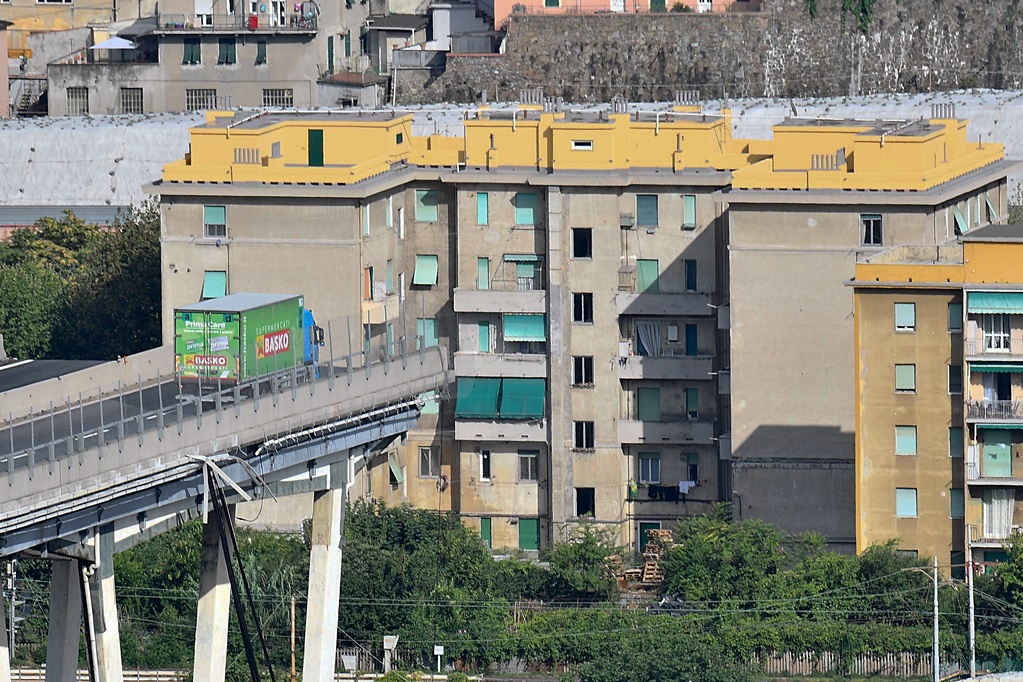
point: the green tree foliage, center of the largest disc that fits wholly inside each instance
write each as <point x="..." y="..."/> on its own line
<point x="580" y="568"/>
<point x="30" y="296"/>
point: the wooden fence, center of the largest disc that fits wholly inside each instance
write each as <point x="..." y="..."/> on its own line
<point x="899" y="665"/>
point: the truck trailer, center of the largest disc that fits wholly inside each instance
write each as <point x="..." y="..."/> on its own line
<point x="231" y="340"/>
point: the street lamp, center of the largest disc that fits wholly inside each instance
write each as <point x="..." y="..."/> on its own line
<point x="935" y="676"/>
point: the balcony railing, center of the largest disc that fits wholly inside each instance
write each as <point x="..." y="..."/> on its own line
<point x="235" y="22"/>
<point x="994" y="409"/>
<point x="997" y="346"/>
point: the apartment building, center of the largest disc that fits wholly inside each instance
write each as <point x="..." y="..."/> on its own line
<point x="799" y="220"/>
<point x="939" y="343"/>
<point x="583" y="269"/>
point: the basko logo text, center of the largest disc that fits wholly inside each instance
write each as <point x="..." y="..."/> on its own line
<point x="273" y="343"/>
<point x="210" y="361"/>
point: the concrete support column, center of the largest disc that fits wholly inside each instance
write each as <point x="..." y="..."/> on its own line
<point x="5" y="644"/>
<point x="214" y="609"/>
<point x="105" y="629"/>
<point x="65" y="622"/>
<point x="324" y="584"/>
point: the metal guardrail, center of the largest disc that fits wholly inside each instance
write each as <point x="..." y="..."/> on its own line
<point x="994" y="409"/>
<point x="994" y="347"/>
<point x="230" y="22"/>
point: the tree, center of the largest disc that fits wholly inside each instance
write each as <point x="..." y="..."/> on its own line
<point x="30" y="296"/>
<point x="580" y="568"/>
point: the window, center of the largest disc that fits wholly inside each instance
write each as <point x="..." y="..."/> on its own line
<point x="389" y="277"/>
<point x="905" y="440"/>
<point x="389" y="214"/>
<point x="399" y="139"/>
<point x="78" y="101"/>
<point x="364" y="211"/>
<point x="996" y="333"/>
<point x="693" y="403"/>
<point x="527" y="275"/>
<point x="278" y="97"/>
<point x="582" y="308"/>
<point x="648" y="404"/>
<point x="582" y="242"/>
<point x="905" y="502"/>
<point x="529" y="465"/>
<point x="905" y="317"/>
<point x="583" y="436"/>
<point x="907" y="553"/>
<point x="582" y="145"/>
<point x="955" y="317"/>
<point x="646" y="210"/>
<point x="955" y="441"/>
<point x="525" y="208"/>
<point x="955" y="379"/>
<point x="585" y="502"/>
<point x="214" y="284"/>
<point x="426" y="205"/>
<point x="692" y="348"/>
<point x="956" y="503"/>
<point x="691" y="281"/>
<point x="484" y="333"/>
<point x="689" y="211"/>
<point x="647" y="271"/>
<point x="482" y="273"/>
<point x="485" y="465"/>
<point x="529" y="534"/>
<point x="192" y="51"/>
<point x="426" y="333"/>
<point x="426" y="270"/>
<point x="905" y="378"/>
<point x="260" y="52"/>
<point x="693" y="466"/>
<point x="368" y="281"/>
<point x="429" y="463"/>
<point x="582" y="370"/>
<point x="487" y="533"/>
<point x="131" y="101"/>
<point x="551" y="3"/>
<point x="482" y="208"/>
<point x="200" y="99"/>
<point x="228" y="51"/>
<point x="214" y="222"/>
<point x="649" y="467"/>
<point x="870" y="230"/>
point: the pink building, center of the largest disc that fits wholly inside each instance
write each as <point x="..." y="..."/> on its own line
<point x="505" y="8"/>
<point x="5" y="81"/>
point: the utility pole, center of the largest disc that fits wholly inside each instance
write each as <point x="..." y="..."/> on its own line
<point x="936" y="677"/>
<point x="969" y="586"/>
<point x="293" y="673"/>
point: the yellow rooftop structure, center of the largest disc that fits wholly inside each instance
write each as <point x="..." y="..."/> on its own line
<point x="347" y="147"/>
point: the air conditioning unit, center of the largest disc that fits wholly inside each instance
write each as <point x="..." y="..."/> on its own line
<point x="626" y="220"/>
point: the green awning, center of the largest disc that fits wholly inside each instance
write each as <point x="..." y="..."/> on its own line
<point x="1009" y="302"/>
<point x="523" y="398"/>
<point x="477" y="398"/>
<point x="1011" y="427"/>
<point x="395" y="469"/>
<point x="214" y="284"/>
<point x="522" y="257"/>
<point x="525" y="328"/>
<point x="995" y="367"/>
<point x="426" y="271"/>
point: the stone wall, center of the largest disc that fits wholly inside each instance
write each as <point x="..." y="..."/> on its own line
<point x="911" y="46"/>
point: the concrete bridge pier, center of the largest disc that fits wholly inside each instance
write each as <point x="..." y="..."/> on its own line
<point x="214" y="608"/>
<point x="324" y="579"/>
<point x="5" y="645"/>
<point x="104" y="632"/>
<point x="65" y="622"/>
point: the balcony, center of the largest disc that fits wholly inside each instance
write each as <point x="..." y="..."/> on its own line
<point x="994" y="410"/>
<point x="997" y="470"/>
<point x="382" y="309"/>
<point x="524" y="365"/>
<point x="500" y="301"/>
<point x="982" y="538"/>
<point x="298" y="22"/>
<point x="666" y="431"/>
<point x="681" y="304"/>
<point x="534" y="431"/>
<point x="994" y="347"/>
<point x="666" y="366"/>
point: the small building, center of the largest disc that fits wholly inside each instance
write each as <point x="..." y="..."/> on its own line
<point x="386" y="34"/>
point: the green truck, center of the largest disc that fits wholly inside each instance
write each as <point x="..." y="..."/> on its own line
<point x="222" y="342"/>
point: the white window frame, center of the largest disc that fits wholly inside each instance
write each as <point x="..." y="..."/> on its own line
<point x="486" y="465"/>
<point x="650" y="468"/>
<point x="995" y="328"/>
<point x="432" y="462"/>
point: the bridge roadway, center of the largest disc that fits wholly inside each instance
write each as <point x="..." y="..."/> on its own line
<point x="96" y="461"/>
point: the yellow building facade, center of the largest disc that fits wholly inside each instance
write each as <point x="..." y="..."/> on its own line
<point x="578" y="260"/>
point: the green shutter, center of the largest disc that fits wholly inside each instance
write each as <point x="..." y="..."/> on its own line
<point x="905" y="502"/>
<point x="905" y="377"/>
<point x="956" y="503"/>
<point x="426" y="270"/>
<point x="390" y="276"/>
<point x="649" y="403"/>
<point x="214" y="284"/>
<point x="1008" y="302"/>
<point x="426" y="205"/>
<point x="426" y="329"/>
<point x="689" y="217"/>
<point x="955" y="317"/>
<point x="525" y="208"/>
<point x="477" y="398"/>
<point x="315" y="138"/>
<point x="348" y="43"/>
<point x="996" y="460"/>
<point x="482" y="273"/>
<point x="529" y="534"/>
<point x="486" y="533"/>
<point x="646" y="210"/>
<point x="647" y="273"/>
<point x="214" y="215"/>
<point x="905" y="440"/>
<point x="395" y="469"/>
<point x="905" y="315"/>
<point x="955" y="441"/>
<point x="482" y="208"/>
<point x="261" y="52"/>
<point x="484" y="328"/>
<point x="519" y="327"/>
<point x="992" y="213"/>
<point x="691" y="280"/>
<point x="523" y="398"/>
<point x="525" y="270"/>
<point x="960" y="221"/>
